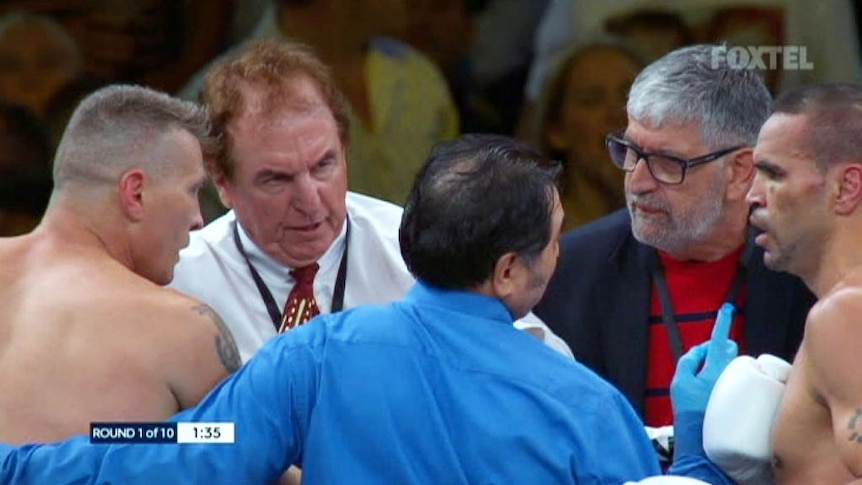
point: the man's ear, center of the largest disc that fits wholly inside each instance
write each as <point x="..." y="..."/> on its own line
<point x="131" y="188"/>
<point x="849" y="189"/>
<point x="505" y="276"/>
<point x="741" y="167"/>
<point x="220" y="180"/>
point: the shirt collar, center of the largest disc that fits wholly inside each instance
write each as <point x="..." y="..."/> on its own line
<point x="461" y="301"/>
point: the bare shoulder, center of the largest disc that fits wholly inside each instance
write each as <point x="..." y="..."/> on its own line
<point x="832" y="345"/>
<point x="833" y="339"/>
<point x="189" y="344"/>
<point x="14" y="255"/>
<point x="192" y="324"/>
<point x="836" y="314"/>
<point x="224" y="341"/>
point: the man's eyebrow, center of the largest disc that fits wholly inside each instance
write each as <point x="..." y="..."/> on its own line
<point x="671" y="153"/>
<point x="327" y="155"/>
<point x="766" y="165"/>
<point x="269" y="172"/>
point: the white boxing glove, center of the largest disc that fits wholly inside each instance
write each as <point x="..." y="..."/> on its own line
<point x="739" y="417"/>
<point x="667" y="480"/>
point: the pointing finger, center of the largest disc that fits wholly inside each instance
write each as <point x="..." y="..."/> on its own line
<point x="723" y="322"/>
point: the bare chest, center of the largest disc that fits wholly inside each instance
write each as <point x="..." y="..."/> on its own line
<point x="804" y="450"/>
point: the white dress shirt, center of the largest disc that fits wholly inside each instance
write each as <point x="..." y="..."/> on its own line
<point x="213" y="270"/>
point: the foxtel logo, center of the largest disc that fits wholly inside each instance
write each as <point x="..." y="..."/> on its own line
<point x="764" y="57"/>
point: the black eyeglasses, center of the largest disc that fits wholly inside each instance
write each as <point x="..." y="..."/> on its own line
<point x="667" y="169"/>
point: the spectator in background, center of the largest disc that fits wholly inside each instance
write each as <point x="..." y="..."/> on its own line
<point x="753" y="26"/>
<point x="833" y="52"/>
<point x="158" y="43"/>
<point x="25" y="170"/>
<point x="583" y="101"/>
<point x="653" y="33"/>
<point x="502" y="54"/>
<point x="445" y="30"/>
<point x="38" y="57"/>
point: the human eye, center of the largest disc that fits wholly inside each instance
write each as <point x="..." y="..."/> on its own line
<point x="666" y="165"/>
<point x="632" y="157"/>
<point x="273" y="181"/>
<point x="324" y="166"/>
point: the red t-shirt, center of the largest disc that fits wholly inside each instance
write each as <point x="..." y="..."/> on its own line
<point x="697" y="290"/>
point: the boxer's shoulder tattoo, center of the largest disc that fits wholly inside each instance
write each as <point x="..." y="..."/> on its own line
<point x="224" y="341"/>
<point x="854" y="426"/>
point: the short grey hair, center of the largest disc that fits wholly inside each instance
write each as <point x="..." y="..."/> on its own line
<point x="696" y="85"/>
<point x="111" y="129"/>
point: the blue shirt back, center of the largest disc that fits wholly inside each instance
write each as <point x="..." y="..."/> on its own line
<point x="436" y="388"/>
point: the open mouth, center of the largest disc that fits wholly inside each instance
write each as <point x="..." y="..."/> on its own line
<point x="646" y="209"/>
<point x="755" y="222"/>
<point x="307" y="228"/>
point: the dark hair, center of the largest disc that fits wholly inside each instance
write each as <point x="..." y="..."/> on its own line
<point x="833" y="120"/>
<point x="476" y="198"/>
<point x="25" y="184"/>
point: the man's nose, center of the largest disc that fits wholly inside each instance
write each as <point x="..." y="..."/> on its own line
<point x="754" y="197"/>
<point x="306" y="196"/>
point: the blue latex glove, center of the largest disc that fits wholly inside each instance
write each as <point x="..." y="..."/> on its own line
<point x="699" y="368"/>
<point x="696" y="374"/>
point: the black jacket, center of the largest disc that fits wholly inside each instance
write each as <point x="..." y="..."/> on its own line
<point x="598" y="301"/>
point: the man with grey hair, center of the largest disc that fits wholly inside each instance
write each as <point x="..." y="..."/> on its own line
<point x="88" y="331"/>
<point x="638" y="288"/>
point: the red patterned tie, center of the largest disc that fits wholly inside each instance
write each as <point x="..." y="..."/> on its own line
<point x="300" y="306"/>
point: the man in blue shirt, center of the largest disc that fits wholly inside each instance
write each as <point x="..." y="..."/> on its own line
<point x="436" y="388"/>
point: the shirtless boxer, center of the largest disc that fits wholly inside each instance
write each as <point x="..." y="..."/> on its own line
<point x="807" y="197"/>
<point x="87" y="332"/>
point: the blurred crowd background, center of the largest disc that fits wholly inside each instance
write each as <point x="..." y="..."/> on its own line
<point x="415" y="72"/>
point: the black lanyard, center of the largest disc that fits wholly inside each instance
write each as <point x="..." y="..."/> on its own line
<point x="269" y="301"/>
<point x="660" y="280"/>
